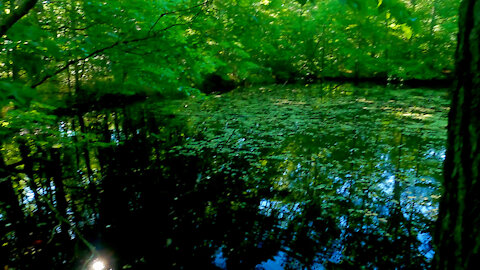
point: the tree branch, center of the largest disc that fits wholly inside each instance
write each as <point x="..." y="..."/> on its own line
<point x="16" y="14"/>
<point x="98" y="51"/>
<point x="176" y="12"/>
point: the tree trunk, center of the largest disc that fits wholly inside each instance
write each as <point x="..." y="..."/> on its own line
<point x="55" y="171"/>
<point x="13" y="210"/>
<point x="27" y="160"/>
<point x="458" y="228"/>
<point x="20" y="10"/>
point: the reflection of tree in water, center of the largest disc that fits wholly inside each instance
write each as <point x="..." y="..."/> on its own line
<point x="164" y="200"/>
<point x="373" y="223"/>
<point x="155" y="190"/>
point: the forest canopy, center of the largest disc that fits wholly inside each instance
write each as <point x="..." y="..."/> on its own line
<point x="170" y="46"/>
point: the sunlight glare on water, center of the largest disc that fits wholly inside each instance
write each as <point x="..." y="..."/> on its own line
<point x="98" y="264"/>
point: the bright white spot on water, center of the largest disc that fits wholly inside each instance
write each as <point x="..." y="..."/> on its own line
<point x="98" y="265"/>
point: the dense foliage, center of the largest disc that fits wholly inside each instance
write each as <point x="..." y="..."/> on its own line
<point x="158" y="46"/>
<point x="93" y="145"/>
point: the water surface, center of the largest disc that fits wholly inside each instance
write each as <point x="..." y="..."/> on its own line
<point x="300" y="177"/>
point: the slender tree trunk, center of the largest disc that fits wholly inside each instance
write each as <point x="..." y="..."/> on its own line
<point x="13" y="210"/>
<point x="25" y="152"/>
<point x="458" y="228"/>
<point x="88" y="165"/>
<point x="324" y="46"/>
<point x="8" y="196"/>
<point x="55" y="170"/>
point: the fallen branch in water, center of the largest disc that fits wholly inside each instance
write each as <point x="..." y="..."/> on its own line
<point x="62" y="219"/>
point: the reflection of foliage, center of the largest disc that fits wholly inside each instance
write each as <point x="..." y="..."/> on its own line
<point x="304" y="173"/>
<point x="349" y="169"/>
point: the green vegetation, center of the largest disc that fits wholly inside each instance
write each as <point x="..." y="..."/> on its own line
<point x="165" y="46"/>
<point x="121" y="138"/>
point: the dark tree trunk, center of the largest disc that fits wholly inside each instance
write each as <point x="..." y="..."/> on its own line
<point x="14" y="213"/>
<point x="20" y="10"/>
<point x="55" y="170"/>
<point x="458" y="228"/>
<point x="28" y="165"/>
<point x="8" y="198"/>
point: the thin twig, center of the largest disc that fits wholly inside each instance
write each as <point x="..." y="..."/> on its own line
<point x="175" y="12"/>
<point x="63" y="219"/>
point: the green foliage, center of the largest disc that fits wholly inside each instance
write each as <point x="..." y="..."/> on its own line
<point x="84" y="145"/>
<point x="15" y="92"/>
<point x="164" y="45"/>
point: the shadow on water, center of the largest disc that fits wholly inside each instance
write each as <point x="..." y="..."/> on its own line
<point x="313" y="177"/>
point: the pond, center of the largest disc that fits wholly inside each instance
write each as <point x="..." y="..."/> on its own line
<point x="323" y="176"/>
<point x="308" y="177"/>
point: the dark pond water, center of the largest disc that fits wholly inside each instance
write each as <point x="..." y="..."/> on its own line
<point x="311" y="177"/>
<point x="276" y="177"/>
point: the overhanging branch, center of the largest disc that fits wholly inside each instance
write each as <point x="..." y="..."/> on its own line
<point x="176" y="12"/>
<point x="118" y="43"/>
<point x="16" y="14"/>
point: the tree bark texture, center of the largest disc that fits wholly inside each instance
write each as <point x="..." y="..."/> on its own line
<point x="457" y="236"/>
<point x="20" y="10"/>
